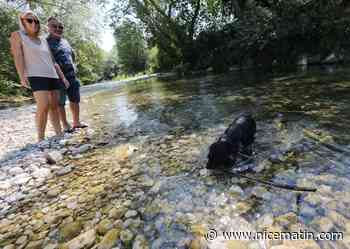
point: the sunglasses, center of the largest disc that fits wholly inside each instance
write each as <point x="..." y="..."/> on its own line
<point x="30" y="21"/>
<point x="60" y="27"/>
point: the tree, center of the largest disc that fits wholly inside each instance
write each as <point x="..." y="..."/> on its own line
<point x="131" y="47"/>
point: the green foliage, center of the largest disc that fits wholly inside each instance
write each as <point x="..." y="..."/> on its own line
<point x="110" y="65"/>
<point x="90" y="60"/>
<point x="153" y="59"/>
<point x="222" y="33"/>
<point x="131" y="47"/>
<point x="8" y="75"/>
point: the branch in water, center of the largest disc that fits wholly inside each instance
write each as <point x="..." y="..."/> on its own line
<point x="272" y="184"/>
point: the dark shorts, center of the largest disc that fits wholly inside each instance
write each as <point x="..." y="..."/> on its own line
<point x="73" y="92"/>
<point x="44" y="84"/>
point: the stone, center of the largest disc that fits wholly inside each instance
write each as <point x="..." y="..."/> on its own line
<point x="22" y="178"/>
<point x="69" y="231"/>
<point x="42" y="173"/>
<point x="236" y="244"/>
<point x="51" y="246"/>
<point x="198" y="243"/>
<point x="110" y="239"/>
<point x="287" y="219"/>
<point x="236" y="190"/>
<point x="203" y="172"/>
<point x="10" y="247"/>
<point x="199" y="230"/>
<point x="324" y="224"/>
<point x="63" y="171"/>
<point x="117" y="213"/>
<point x="130" y="214"/>
<point x="122" y="152"/>
<point x="126" y="237"/>
<point x="306" y="210"/>
<point x="265" y="221"/>
<point x="156" y="187"/>
<point x="52" y="193"/>
<point x="301" y="244"/>
<point x="96" y="189"/>
<point x="242" y="207"/>
<point x="274" y="230"/>
<point x="72" y="204"/>
<point x="81" y="149"/>
<point x="104" y="226"/>
<point x="140" y="242"/>
<point x="313" y="198"/>
<point x="21" y="240"/>
<point x="259" y="191"/>
<point x="15" y="171"/>
<point x="132" y="223"/>
<point x="4" y="185"/>
<point x="337" y="218"/>
<point x="53" y="157"/>
<point x="35" y="244"/>
<point x="84" y="240"/>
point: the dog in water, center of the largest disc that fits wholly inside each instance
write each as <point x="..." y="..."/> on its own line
<point x="238" y="138"/>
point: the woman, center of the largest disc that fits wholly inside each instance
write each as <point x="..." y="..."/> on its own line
<point x="37" y="70"/>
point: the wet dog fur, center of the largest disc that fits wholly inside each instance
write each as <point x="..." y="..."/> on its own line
<point x="238" y="137"/>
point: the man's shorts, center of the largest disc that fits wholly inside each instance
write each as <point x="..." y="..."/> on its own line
<point x="73" y="92"/>
<point x="44" y="84"/>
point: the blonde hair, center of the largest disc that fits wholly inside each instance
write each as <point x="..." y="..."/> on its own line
<point x="22" y="16"/>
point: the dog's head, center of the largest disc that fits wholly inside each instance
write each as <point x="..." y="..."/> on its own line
<point x="221" y="155"/>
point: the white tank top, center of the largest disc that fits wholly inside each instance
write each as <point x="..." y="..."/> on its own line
<point x="37" y="58"/>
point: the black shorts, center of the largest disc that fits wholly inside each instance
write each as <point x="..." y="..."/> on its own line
<point x="44" y="84"/>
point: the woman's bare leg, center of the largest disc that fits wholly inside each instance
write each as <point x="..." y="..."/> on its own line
<point x="42" y="108"/>
<point x="54" y="114"/>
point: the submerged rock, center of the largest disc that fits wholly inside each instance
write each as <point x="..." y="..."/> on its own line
<point x="324" y="224"/>
<point x="126" y="236"/>
<point x="110" y="239"/>
<point x="65" y="170"/>
<point x="140" y="242"/>
<point x="84" y="240"/>
<point x="130" y="214"/>
<point x="104" y="226"/>
<point x="69" y="231"/>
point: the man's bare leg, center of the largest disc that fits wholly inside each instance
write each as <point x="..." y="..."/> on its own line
<point x="75" y="113"/>
<point x="63" y="117"/>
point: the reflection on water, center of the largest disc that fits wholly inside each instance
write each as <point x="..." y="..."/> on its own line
<point x="185" y="116"/>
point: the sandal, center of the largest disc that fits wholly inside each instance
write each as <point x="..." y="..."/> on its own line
<point x="69" y="130"/>
<point x="81" y="126"/>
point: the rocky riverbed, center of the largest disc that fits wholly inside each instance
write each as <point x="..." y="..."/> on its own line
<point x="136" y="178"/>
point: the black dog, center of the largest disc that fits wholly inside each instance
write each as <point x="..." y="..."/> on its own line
<point x="238" y="137"/>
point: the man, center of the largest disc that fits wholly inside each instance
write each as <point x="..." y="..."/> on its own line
<point x="64" y="56"/>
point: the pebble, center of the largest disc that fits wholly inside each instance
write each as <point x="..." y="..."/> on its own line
<point x="65" y="170"/>
<point x="53" y="157"/>
<point x="110" y="239"/>
<point x="84" y="240"/>
<point x="126" y="236"/>
<point x="130" y="214"/>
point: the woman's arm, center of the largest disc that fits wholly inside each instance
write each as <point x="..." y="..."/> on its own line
<point x="61" y="75"/>
<point x="17" y="53"/>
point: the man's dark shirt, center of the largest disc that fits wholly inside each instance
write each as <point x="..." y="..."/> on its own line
<point x="63" y="54"/>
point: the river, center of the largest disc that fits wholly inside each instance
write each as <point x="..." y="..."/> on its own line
<point x="145" y="180"/>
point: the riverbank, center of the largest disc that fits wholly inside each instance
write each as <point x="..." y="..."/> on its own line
<point x="20" y="100"/>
